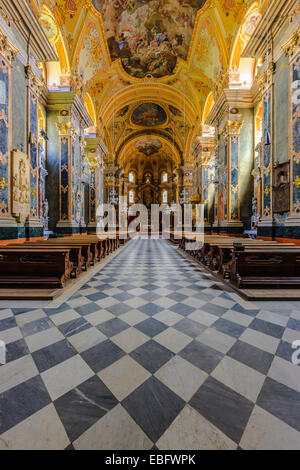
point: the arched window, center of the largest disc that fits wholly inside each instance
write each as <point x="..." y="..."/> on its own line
<point x="131" y="197"/>
<point x="165" y="197"/>
<point x="165" y="177"/>
<point x="131" y="177"/>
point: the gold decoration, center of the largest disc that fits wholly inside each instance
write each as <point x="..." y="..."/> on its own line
<point x="7" y="49"/>
<point x="297" y="182"/>
<point x="292" y="44"/>
<point x="3" y="183"/>
<point x="20" y="184"/>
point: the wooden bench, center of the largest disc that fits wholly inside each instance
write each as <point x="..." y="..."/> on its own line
<point x="28" y="266"/>
<point x="261" y="268"/>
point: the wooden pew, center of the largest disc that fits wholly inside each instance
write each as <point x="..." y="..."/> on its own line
<point x="260" y="268"/>
<point x="29" y="266"/>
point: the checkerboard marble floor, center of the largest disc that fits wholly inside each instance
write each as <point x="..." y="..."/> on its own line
<point x="152" y="353"/>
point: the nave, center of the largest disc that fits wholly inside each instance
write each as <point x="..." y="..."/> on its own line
<point x="151" y="353"/>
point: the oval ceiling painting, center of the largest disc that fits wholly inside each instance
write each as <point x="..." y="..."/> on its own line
<point x="149" y="35"/>
<point x="149" y="115"/>
<point x="148" y="146"/>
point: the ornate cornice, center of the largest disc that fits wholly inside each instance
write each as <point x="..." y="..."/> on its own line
<point x="32" y="81"/>
<point x="7" y="49"/>
<point x="66" y="129"/>
<point x="232" y="128"/>
<point x="292" y="45"/>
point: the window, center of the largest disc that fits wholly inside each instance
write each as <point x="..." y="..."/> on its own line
<point x="131" y="177"/>
<point x="165" y="197"/>
<point x="131" y="197"/>
<point x="165" y="177"/>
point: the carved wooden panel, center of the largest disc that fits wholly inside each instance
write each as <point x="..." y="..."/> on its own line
<point x="282" y="188"/>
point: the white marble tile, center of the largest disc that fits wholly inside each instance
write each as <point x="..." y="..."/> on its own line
<point x="64" y="317"/>
<point x="107" y="302"/>
<point x="138" y="291"/>
<point x="101" y="316"/>
<point x="164" y="302"/>
<point x="241" y="378"/>
<point x="192" y="302"/>
<point x="216" y="340"/>
<point x="115" y="431"/>
<point x="203" y="318"/>
<point x="29" y="317"/>
<point x="66" y="376"/>
<point x="285" y="372"/>
<point x="191" y="431"/>
<point x="130" y="339"/>
<point x="87" y="339"/>
<point x="136" y="302"/>
<point x="6" y="313"/>
<point x="78" y="302"/>
<point x="88" y="291"/>
<point x="221" y="302"/>
<point x="133" y="317"/>
<point x="41" y="431"/>
<point x="260" y="340"/>
<point x="11" y="335"/>
<point x="266" y="432"/>
<point x="271" y="317"/>
<point x="181" y="377"/>
<point x="291" y="335"/>
<point x="43" y="339"/>
<point x="113" y="291"/>
<point x="239" y="318"/>
<point x="173" y="340"/>
<point x="168" y="317"/>
<point x="123" y="377"/>
<point x="16" y="372"/>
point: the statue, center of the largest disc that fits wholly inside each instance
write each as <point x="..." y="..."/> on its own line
<point x="78" y="207"/>
<point x="255" y="216"/>
<point x="45" y="213"/>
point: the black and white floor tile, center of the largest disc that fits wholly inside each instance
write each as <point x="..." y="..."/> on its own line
<point x="152" y="351"/>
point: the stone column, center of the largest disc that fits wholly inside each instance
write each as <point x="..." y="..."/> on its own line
<point x="266" y="224"/>
<point x="95" y="161"/>
<point x="33" y="225"/>
<point x="231" y="182"/>
<point x="291" y="49"/>
<point x="8" y="224"/>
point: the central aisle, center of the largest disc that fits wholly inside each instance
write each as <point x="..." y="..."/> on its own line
<point x="150" y="353"/>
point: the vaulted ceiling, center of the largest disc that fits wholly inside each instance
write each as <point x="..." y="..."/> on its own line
<point x="167" y="54"/>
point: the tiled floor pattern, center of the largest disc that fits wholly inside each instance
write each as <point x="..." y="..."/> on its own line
<point x="150" y="352"/>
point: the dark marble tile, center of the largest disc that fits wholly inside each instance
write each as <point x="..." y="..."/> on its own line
<point x="182" y="309"/>
<point x="176" y="296"/>
<point x="153" y="406"/>
<point x="88" y="308"/>
<point x="228" y="327"/>
<point x="7" y="323"/>
<point x="83" y="406"/>
<point x="267" y="328"/>
<point x="119" y="309"/>
<point x="294" y="324"/>
<point x="74" y="327"/>
<point x="214" y="309"/>
<point x="223" y="407"/>
<point x="151" y="327"/>
<point x="15" y="350"/>
<point x="251" y="356"/>
<point x="36" y="326"/>
<point x="19" y="311"/>
<point x="152" y="356"/>
<point x="97" y="296"/>
<point x="150" y="296"/>
<point x="240" y="309"/>
<point x="190" y="327"/>
<point x="22" y="401"/>
<point x="123" y="296"/>
<point x="151" y="309"/>
<point x="280" y="401"/>
<point x="150" y="287"/>
<point x="285" y="350"/>
<point x="54" y="311"/>
<point x="102" y="355"/>
<point x="112" y="327"/>
<point x="126" y="287"/>
<point x="201" y="356"/>
<point x="52" y="355"/>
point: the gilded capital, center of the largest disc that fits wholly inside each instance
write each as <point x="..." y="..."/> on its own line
<point x="7" y="49"/>
<point x="292" y="44"/>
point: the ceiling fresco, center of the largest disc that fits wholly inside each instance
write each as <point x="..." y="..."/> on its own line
<point x="148" y="146"/>
<point x="149" y="35"/>
<point x="149" y="115"/>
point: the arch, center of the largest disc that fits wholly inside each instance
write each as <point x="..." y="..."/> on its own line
<point x="245" y="31"/>
<point x="90" y="107"/>
<point x="208" y="106"/>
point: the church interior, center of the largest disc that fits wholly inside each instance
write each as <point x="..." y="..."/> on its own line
<point x="116" y="343"/>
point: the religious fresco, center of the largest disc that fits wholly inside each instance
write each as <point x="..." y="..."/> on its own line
<point x="149" y="115"/>
<point x="148" y="146"/>
<point x="149" y="35"/>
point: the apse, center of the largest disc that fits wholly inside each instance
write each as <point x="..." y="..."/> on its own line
<point x="149" y="35"/>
